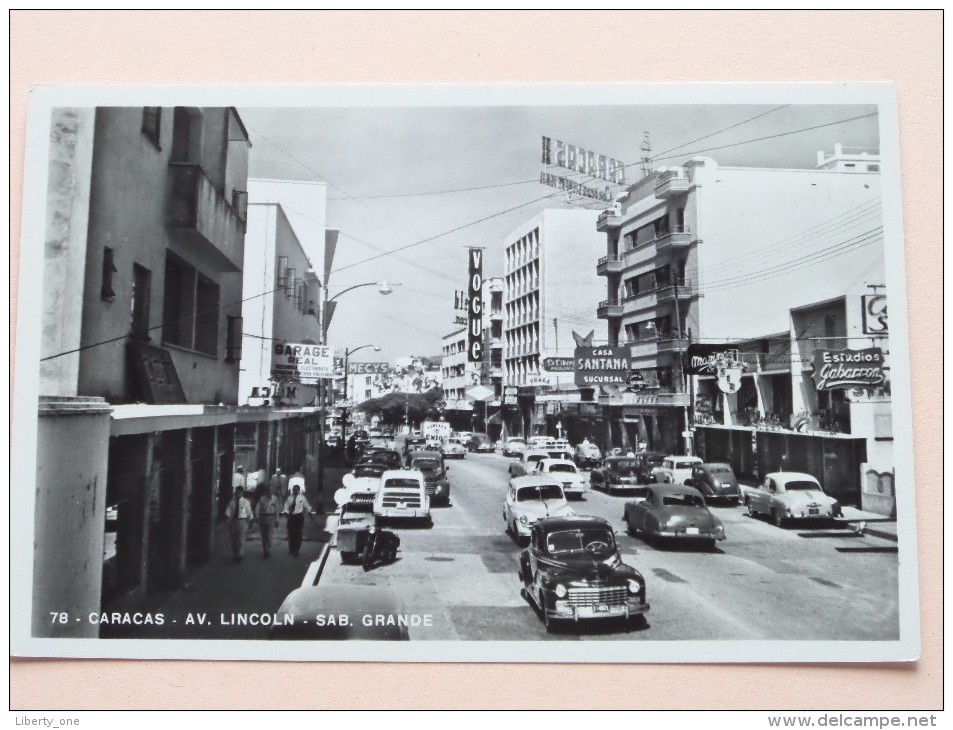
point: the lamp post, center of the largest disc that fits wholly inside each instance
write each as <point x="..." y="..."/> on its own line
<point x="347" y="355"/>
<point x="324" y="320"/>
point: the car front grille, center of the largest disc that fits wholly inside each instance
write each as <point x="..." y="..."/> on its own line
<point x="394" y="498"/>
<point x="614" y="596"/>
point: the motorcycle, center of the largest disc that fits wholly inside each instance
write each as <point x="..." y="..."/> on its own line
<point x="380" y="546"/>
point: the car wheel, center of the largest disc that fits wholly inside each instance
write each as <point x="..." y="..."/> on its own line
<point x="751" y="512"/>
<point x="639" y="621"/>
<point x="709" y="545"/>
<point x="776" y="518"/>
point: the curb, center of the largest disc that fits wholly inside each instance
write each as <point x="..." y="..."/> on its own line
<point x="313" y="576"/>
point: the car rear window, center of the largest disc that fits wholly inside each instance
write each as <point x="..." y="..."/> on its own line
<point x="562" y="467"/>
<point x="403" y="483"/>
<point x="720" y="470"/>
<point x="546" y="491"/>
<point x="682" y="500"/>
<point x="368" y="471"/>
<point x="684" y="464"/>
<point x="800" y="486"/>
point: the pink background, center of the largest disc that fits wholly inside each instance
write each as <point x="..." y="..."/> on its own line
<point x="186" y="47"/>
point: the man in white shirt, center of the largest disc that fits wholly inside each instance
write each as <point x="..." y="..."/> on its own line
<point x="239" y="515"/>
<point x="295" y="507"/>
<point x="238" y="478"/>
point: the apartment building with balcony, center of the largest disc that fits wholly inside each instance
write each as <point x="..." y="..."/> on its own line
<point x="550" y="290"/>
<point x="707" y="254"/>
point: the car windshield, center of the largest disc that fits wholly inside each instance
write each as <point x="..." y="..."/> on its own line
<point x="721" y="470"/>
<point x="368" y="471"/>
<point x="682" y="500"/>
<point x="575" y="541"/>
<point x="413" y="483"/>
<point x="562" y="467"/>
<point x="532" y="494"/>
<point x="800" y="485"/>
<point x="514" y="442"/>
<point x="684" y="464"/>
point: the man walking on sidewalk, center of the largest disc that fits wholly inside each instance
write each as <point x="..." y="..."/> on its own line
<point x="239" y="515"/>
<point x="267" y="513"/>
<point x="295" y="508"/>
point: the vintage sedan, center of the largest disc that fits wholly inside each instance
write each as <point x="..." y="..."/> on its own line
<point x="381" y="456"/>
<point x="617" y="474"/>
<point x="364" y="481"/>
<point x="715" y="481"/>
<point x="403" y="494"/>
<point x="514" y="446"/>
<point x="526" y="464"/>
<point x="480" y="443"/>
<point x="529" y="499"/>
<point x="564" y="473"/>
<point x="587" y="455"/>
<point x="675" y="469"/>
<point x="430" y="464"/>
<point x="573" y="571"/>
<point x="673" y="512"/>
<point x="453" y="448"/>
<point x="790" y="495"/>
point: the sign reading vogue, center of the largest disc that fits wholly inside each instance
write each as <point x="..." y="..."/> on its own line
<point x="834" y="369"/>
<point x="601" y="365"/>
<point x="301" y="363"/>
<point x="475" y="308"/>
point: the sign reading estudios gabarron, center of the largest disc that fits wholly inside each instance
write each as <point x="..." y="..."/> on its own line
<point x="601" y="365"/>
<point x="835" y="369"/>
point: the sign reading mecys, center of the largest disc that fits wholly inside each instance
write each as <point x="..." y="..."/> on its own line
<point x="835" y="369"/>
<point x="601" y="365"/>
<point x="301" y="363"/>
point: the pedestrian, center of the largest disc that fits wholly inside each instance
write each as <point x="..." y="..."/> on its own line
<point x="253" y="485"/>
<point x="239" y="514"/>
<point x="785" y="465"/>
<point x="278" y="486"/>
<point x="295" y="507"/>
<point x="238" y="478"/>
<point x="267" y="513"/>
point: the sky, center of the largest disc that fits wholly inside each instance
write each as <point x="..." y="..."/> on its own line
<point x="401" y="185"/>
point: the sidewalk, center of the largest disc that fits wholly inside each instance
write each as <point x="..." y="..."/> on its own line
<point x="220" y="587"/>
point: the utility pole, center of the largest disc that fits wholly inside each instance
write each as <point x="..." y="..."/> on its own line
<point x="683" y="378"/>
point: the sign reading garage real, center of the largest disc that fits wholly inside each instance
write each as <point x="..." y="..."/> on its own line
<point x="601" y="365"/>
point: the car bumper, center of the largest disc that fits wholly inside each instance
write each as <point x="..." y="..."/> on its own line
<point x="402" y="513"/>
<point x="575" y="488"/>
<point x="687" y="534"/>
<point x="562" y="610"/>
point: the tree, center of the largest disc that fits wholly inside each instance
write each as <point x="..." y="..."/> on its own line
<point x="392" y="408"/>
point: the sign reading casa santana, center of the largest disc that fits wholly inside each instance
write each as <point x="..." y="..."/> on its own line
<point x="835" y="369"/>
<point x="601" y="365"/>
<point x="299" y="362"/>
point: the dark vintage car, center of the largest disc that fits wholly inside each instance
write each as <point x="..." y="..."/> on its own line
<point x="431" y="465"/>
<point x="648" y="462"/>
<point x="412" y="443"/>
<point x="715" y="481"/>
<point x="572" y="571"/>
<point x="673" y="512"/>
<point x="617" y="474"/>
<point x="481" y="443"/>
<point x="388" y="457"/>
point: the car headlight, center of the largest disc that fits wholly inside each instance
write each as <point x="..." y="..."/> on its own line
<point x="634" y="586"/>
<point x="524" y="520"/>
<point x="560" y="590"/>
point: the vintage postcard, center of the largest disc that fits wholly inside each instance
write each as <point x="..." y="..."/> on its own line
<point x="464" y="373"/>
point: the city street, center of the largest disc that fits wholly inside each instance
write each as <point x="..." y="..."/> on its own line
<point x="762" y="582"/>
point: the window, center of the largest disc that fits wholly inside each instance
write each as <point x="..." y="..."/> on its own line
<point x="152" y="124"/>
<point x="873" y="168"/>
<point x="141" y="300"/>
<point x="233" y="339"/>
<point x="282" y="272"/>
<point x="190" y="308"/>
<point x="106" y="292"/>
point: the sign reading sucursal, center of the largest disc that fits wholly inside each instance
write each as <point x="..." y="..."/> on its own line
<point x="835" y="369"/>
<point x="475" y="306"/>
<point x="601" y="365"/>
<point x="299" y="362"/>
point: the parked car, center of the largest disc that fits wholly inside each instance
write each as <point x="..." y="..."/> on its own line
<point x="675" y="469"/>
<point x="480" y="442"/>
<point x="514" y="446"/>
<point x="403" y="493"/>
<point x="573" y="571"/>
<point x="648" y="461"/>
<point x="453" y="448"/>
<point x="587" y="455"/>
<point x="715" y="481"/>
<point x="618" y="473"/>
<point x="527" y="462"/>
<point x="381" y="456"/>
<point x="564" y="473"/>
<point x="363" y="483"/>
<point x="790" y="495"/>
<point x="531" y="498"/>
<point x="430" y="464"/>
<point x="673" y="512"/>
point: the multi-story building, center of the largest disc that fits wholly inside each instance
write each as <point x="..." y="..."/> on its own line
<point x="550" y="291"/>
<point x="705" y="254"/>
<point x="140" y="350"/>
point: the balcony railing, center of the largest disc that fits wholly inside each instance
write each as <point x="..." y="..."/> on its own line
<point x="610" y="218"/>
<point x="682" y="288"/>
<point x="672" y="342"/>
<point x="676" y="237"/>
<point x="609" y="265"/>
<point x="201" y="220"/>
<point x="671" y="183"/>
<point x="609" y="308"/>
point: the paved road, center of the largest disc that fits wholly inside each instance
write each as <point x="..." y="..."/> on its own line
<point x="761" y="583"/>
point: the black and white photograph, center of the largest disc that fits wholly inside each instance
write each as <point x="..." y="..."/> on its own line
<point x="585" y="373"/>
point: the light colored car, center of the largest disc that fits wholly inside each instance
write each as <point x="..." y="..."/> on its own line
<point x="587" y="455"/>
<point x="453" y="448"/>
<point x="403" y="493"/>
<point x="565" y="473"/>
<point x="532" y="498"/>
<point x="791" y="495"/>
<point x="363" y="483"/>
<point x="673" y="512"/>
<point x="527" y="462"/>
<point x="675" y="469"/>
<point x="514" y="446"/>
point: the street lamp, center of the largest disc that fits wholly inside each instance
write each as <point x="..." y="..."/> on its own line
<point x="347" y="355"/>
